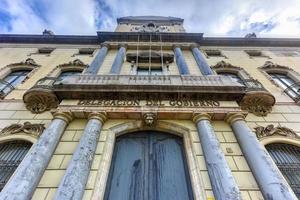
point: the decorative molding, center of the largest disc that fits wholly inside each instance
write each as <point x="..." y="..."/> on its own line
<point x="259" y="103"/>
<point x="270" y="130"/>
<point x="149" y="119"/>
<point x="38" y="101"/>
<point x="27" y="62"/>
<point x="76" y="62"/>
<point x="27" y="128"/>
<point x="270" y="65"/>
<point x="222" y="64"/>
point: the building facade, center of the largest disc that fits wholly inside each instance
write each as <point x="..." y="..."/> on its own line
<point x="149" y="111"/>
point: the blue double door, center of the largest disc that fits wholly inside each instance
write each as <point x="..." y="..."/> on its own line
<point x="148" y="166"/>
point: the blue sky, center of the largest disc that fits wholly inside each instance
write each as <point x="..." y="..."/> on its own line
<point x="268" y="18"/>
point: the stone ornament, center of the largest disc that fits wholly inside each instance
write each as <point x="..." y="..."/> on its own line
<point x="27" y="128"/>
<point x="40" y="100"/>
<point x="223" y="64"/>
<point x="259" y="103"/>
<point x="27" y="62"/>
<point x="150" y="119"/>
<point x="76" y="62"/>
<point x="270" y="130"/>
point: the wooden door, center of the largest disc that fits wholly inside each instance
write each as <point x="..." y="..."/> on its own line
<point x="149" y="166"/>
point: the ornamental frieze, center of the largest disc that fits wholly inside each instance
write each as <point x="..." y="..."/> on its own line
<point x="271" y="130"/>
<point x="161" y="103"/>
<point x="27" y="128"/>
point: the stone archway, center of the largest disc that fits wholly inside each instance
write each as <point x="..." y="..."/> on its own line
<point x="164" y="126"/>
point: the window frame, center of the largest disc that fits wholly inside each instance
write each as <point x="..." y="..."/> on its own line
<point x="29" y="65"/>
<point x="270" y="68"/>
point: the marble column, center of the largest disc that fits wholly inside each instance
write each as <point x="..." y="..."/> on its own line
<point x="222" y="181"/>
<point x="182" y="66"/>
<point x="22" y="184"/>
<point x="201" y="62"/>
<point x="271" y="182"/>
<point x="75" y="178"/>
<point x="94" y="67"/>
<point x="118" y="62"/>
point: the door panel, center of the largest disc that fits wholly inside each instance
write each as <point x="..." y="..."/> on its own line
<point x="148" y="166"/>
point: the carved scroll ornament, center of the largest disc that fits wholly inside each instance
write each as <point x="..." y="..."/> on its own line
<point x="270" y="130"/>
<point x="259" y="103"/>
<point x="27" y="128"/>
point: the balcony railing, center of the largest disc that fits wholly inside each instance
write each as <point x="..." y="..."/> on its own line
<point x="253" y="85"/>
<point x="174" y="80"/>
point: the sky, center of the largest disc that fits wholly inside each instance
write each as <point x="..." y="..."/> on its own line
<point x="235" y="18"/>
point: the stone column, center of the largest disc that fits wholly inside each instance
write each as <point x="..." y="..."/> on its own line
<point x="22" y="184"/>
<point x="118" y="62"/>
<point x="74" y="181"/>
<point x="94" y="67"/>
<point x="182" y="66"/>
<point x="201" y="62"/>
<point x="270" y="180"/>
<point x="222" y="181"/>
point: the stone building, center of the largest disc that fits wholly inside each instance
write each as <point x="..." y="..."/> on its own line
<point x="149" y="111"/>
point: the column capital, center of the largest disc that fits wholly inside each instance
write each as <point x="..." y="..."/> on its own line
<point x="192" y="46"/>
<point x="67" y="116"/>
<point x="122" y="45"/>
<point x="176" y="46"/>
<point x="232" y="117"/>
<point x="201" y="116"/>
<point x="101" y="116"/>
<point x="105" y="45"/>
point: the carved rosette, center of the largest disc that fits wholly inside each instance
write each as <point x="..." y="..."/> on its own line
<point x="27" y="128"/>
<point x="259" y="103"/>
<point x="270" y="130"/>
<point x="40" y="100"/>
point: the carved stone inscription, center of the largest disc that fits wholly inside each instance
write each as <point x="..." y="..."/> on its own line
<point x="160" y="103"/>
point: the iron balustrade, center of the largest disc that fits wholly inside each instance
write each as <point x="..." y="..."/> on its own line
<point x="287" y="159"/>
<point x="11" y="155"/>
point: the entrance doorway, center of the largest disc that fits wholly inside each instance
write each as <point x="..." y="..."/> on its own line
<point x="148" y="165"/>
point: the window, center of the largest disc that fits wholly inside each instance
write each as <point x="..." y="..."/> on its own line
<point x="146" y="71"/>
<point x="11" y="155"/>
<point x="45" y="50"/>
<point x="287" y="84"/>
<point x="148" y="165"/>
<point x="233" y="76"/>
<point x="286" y="53"/>
<point x="255" y="53"/>
<point x="12" y="80"/>
<point x="213" y="53"/>
<point x="66" y="74"/>
<point x="86" y="51"/>
<point x="287" y="159"/>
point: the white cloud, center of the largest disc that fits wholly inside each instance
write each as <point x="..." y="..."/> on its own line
<point x="269" y="18"/>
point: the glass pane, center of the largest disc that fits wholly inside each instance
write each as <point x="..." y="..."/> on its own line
<point x="65" y="74"/>
<point x="156" y="72"/>
<point x="233" y="76"/>
<point x="11" y="154"/>
<point x="141" y="71"/>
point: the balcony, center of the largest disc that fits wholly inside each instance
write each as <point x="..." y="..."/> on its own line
<point x="141" y="87"/>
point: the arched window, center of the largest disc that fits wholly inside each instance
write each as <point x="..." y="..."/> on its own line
<point x="287" y="159"/>
<point x="287" y="84"/>
<point x="11" y="155"/>
<point x="284" y="77"/>
<point x="233" y="76"/>
<point x="65" y="74"/>
<point x="12" y="80"/>
<point x="148" y="165"/>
